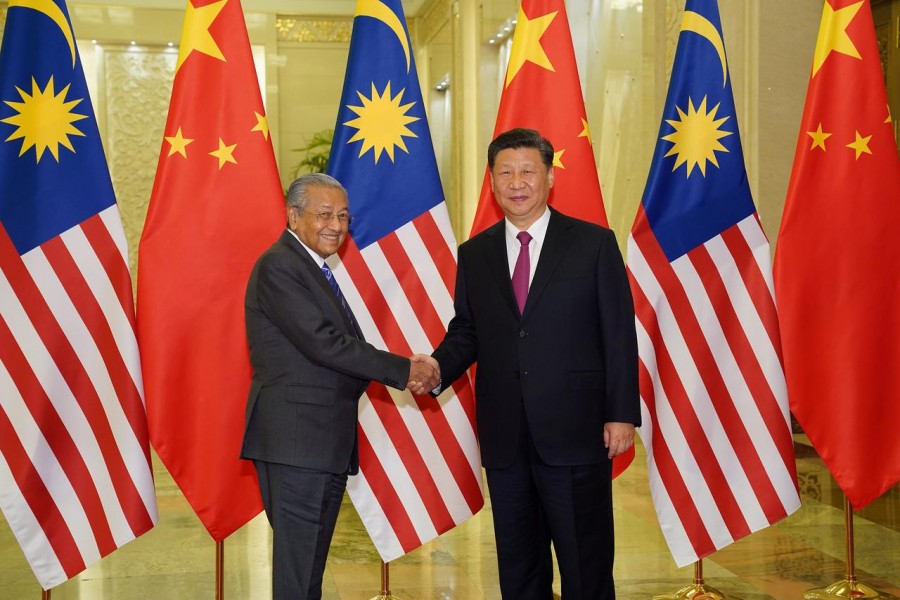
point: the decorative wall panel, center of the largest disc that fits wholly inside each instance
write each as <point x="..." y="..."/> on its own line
<point x="136" y="86"/>
<point x="313" y="29"/>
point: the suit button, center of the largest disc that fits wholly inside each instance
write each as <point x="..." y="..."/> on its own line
<point x="522" y="333"/>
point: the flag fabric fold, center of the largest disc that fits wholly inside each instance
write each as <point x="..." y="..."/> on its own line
<point x="420" y="471"/>
<point x="713" y="399"/>
<point x="542" y="91"/>
<point x="835" y="261"/>
<point x="75" y="475"/>
<point x="216" y="205"/>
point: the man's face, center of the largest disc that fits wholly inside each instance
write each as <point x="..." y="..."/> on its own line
<point x="521" y="184"/>
<point x="320" y="225"/>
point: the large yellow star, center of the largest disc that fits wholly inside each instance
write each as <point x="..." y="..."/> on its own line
<point x="526" y="46"/>
<point x="818" y="138"/>
<point x="178" y="143"/>
<point x="557" y="159"/>
<point x="224" y="153"/>
<point x="860" y="144"/>
<point x="195" y="35"/>
<point x="833" y="34"/>
<point x="262" y="124"/>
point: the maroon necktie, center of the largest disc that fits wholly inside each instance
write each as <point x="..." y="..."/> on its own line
<point x="521" y="271"/>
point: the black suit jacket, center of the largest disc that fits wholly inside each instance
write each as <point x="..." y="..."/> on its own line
<point x="310" y="365"/>
<point x="567" y="365"/>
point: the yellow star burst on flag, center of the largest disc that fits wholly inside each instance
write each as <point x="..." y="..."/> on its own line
<point x="382" y="122"/>
<point x="178" y="143"/>
<point x="833" y="34"/>
<point x="224" y="153"/>
<point x="861" y="145"/>
<point x="196" y="36"/>
<point x="526" y="46"/>
<point x="696" y="137"/>
<point x="44" y="119"/>
<point x="818" y="138"/>
<point x="262" y="125"/>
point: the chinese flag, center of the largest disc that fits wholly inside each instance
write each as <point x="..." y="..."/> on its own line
<point x="836" y="275"/>
<point x="217" y="204"/>
<point x="542" y="91"/>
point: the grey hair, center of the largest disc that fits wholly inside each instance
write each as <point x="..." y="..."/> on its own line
<point x="298" y="193"/>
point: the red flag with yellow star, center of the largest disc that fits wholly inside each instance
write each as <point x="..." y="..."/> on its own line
<point x="836" y="276"/>
<point x="542" y="91"/>
<point x="217" y="204"/>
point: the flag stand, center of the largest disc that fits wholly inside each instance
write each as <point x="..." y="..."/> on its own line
<point x="848" y="587"/>
<point x="385" y="584"/>
<point x="697" y="590"/>
<point x="220" y="570"/>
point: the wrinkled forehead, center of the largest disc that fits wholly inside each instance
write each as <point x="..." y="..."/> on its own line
<point x="323" y="198"/>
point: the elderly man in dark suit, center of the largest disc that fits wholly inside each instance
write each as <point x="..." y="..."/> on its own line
<point x="544" y="307"/>
<point x="310" y="367"/>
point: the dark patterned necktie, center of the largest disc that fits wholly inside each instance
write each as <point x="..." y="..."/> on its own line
<point x="337" y="290"/>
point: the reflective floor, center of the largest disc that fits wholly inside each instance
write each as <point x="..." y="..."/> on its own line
<point x="176" y="560"/>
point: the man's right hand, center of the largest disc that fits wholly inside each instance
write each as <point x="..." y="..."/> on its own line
<point x="424" y="374"/>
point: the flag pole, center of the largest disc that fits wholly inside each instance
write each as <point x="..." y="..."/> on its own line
<point x="385" y="584"/>
<point x="220" y="570"/>
<point x="697" y="590"/>
<point x="848" y="587"/>
<point x="45" y="594"/>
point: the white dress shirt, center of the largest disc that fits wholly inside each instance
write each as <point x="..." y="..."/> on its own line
<point x="538" y="232"/>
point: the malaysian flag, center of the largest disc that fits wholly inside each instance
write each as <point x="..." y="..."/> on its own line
<point x="713" y="398"/>
<point x="75" y="475"/>
<point x="420" y="472"/>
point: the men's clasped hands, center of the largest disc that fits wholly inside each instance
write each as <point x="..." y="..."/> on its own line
<point x="424" y="374"/>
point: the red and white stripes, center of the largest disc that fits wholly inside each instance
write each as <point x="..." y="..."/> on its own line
<point x="75" y="475"/>
<point x="713" y="396"/>
<point x="420" y="472"/>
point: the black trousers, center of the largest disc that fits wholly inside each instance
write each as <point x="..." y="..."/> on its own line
<point x="534" y="505"/>
<point x="302" y="506"/>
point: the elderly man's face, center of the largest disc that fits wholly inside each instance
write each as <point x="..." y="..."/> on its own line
<point x="323" y="224"/>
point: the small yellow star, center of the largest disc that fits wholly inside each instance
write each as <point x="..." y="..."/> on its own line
<point x="818" y="138"/>
<point x="557" y="159"/>
<point x="526" y="46"/>
<point x="195" y="34"/>
<point x="224" y="153"/>
<point x="586" y="132"/>
<point x="861" y="144"/>
<point x="178" y="143"/>
<point x="262" y="125"/>
<point x="833" y="34"/>
<point x="889" y="117"/>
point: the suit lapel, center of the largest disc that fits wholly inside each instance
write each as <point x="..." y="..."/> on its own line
<point x="316" y="275"/>
<point x="499" y="264"/>
<point x="556" y="243"/>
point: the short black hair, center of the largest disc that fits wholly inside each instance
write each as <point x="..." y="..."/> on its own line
<point x="521" y="138"/>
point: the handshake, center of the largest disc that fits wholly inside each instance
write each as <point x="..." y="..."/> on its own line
<point x="424" y="374"/>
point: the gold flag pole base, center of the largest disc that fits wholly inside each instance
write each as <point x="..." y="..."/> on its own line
<point x="849" y="587"/>
<point x="846" y="589"/>
<point x="385" y="584"/>
<point x="697" y="590"/>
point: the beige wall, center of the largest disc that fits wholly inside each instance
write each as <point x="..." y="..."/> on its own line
<point x="624" y="50"/>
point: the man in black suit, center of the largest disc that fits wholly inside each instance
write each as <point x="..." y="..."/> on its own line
<point x="310" y="367"/>
<point x="544" y="307"/>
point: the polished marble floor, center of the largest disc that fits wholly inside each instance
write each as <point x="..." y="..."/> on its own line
<point x="176" y="560"/>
